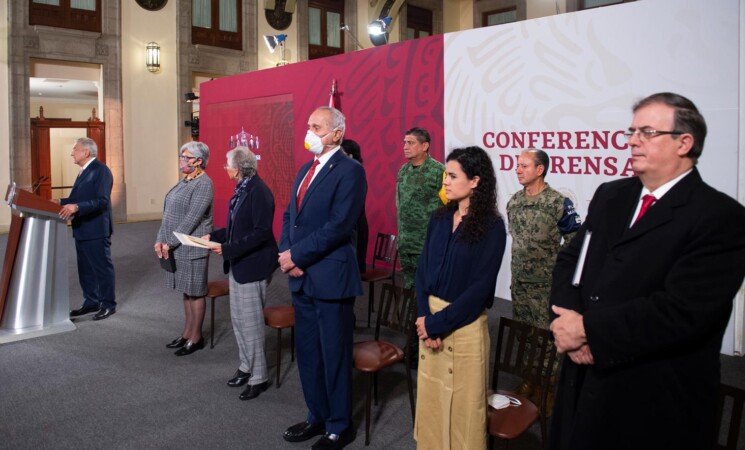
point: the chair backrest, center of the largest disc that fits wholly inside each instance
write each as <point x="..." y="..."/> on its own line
<point x="396" y="311"/>
<point x="386" y="249"/>
<point x="734" y="418"/>
<point x="528" y="352"/>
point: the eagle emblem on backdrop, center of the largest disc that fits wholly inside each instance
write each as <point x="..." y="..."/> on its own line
<point x="244" y="139"/>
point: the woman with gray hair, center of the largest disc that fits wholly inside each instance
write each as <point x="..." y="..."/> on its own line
<point x="249" y="252"/>
<point x="188" y="210"/>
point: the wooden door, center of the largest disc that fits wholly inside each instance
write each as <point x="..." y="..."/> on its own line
<point x="41" y="170"/>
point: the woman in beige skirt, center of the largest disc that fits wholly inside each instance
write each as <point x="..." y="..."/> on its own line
<point x="455" y="283"/>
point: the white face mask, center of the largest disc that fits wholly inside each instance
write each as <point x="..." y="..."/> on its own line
<point x="313" y="142"/>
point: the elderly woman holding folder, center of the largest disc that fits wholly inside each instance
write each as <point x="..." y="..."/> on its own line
<point x="188" y="210"/>
<point x="249" y="252"/>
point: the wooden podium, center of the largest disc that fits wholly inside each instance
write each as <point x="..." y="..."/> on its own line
<point x="34" y="295"/>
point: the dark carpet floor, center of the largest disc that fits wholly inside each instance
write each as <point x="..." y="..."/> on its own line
<point x="113" y="384"/>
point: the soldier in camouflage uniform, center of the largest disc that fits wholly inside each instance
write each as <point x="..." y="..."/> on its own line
<point x="417" y="186"/>
<point x="539" y="217"/>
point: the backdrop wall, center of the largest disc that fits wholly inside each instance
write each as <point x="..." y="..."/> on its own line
<point x="382" y="91"/>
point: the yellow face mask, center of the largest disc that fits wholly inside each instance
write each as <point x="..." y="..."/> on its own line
<point x="443" y="199"/>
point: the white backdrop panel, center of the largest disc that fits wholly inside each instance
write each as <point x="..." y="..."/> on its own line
<point x="566" y="77"/>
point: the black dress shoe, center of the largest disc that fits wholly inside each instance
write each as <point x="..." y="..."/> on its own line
<point x="190" y="347"/>
<point x="253" y="390"/>
<point x="83" y="310"/>
<point x="104" y="313"/>
<point x="303" y="431"/>
<point x="331" y="441"/>
<point x="177" y="343"/>
<point x="239" y="379"/>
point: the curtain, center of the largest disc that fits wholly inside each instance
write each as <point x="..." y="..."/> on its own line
<point x="333" y="33"/>
<point x="229" y="15"/>
<point x="201" y="14"/>
<point x="503" y="17"/>
<point x="89" y="5"/>
<point x="314" y="26"/>
<point x="596" y="3"/>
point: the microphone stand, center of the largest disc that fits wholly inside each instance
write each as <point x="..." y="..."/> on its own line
<point x="354" y="38"/>
<point x="35" y="187"/>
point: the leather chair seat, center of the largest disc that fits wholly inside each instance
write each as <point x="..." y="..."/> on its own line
<point x="218" y="288"/>
<point x="375" y="274"/>
<point x="371" y="356"/>
<point x="279" y="316"/>
<point x="512" y="421"/>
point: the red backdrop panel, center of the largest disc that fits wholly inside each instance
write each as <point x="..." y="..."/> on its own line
<point x="382" y="92"/>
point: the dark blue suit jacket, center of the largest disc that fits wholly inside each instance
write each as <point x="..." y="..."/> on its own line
<point x="251" y="251"/>
<point x="321" y="234"/>
<point x="92" y="193"/>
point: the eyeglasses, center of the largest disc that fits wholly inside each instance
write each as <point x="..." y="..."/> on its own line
<point x="646" y="133"/>
<point x="187" y="158"/>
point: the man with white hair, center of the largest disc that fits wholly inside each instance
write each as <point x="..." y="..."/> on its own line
<point x="317" y="251"/>
<point x="89" y="207"/>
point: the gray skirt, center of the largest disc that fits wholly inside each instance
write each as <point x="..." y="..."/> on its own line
<point x="190" y="276"/>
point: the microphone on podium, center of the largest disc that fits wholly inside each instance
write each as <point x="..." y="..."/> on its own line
<point x="37" y="184"/>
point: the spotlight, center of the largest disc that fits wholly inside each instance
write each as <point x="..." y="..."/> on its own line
<point x="190" y="97"/>
<point x="274" y="41"/>
<point x="194" y="125"/>
<point x="378" y="31"/>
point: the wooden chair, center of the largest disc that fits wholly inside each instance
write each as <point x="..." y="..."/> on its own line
<point x="279" y="318"/>
<point x="735" y="415"/>
<point x="386" y="251"/>
<point x="396" y="312"/>
<point x="215" y="289"/>
<point x="527" y="352"/>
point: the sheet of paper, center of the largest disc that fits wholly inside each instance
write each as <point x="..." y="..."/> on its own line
<point x="194" y="241"/>
<point x="577" y="278"/>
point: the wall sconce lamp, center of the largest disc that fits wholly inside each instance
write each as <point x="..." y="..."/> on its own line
<point x="152" y="57"/>
<point x="274" y="41"/>
<point x="378" y="31"/>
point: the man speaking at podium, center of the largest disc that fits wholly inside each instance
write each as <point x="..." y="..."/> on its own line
<point x="89" y="207"/>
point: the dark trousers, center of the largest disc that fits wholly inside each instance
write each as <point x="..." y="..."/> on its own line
<point x="96" y="272"/>
<point x="323" y="338"/>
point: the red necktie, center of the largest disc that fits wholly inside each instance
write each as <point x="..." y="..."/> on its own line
<point x="647" y="201"/>
<point x="306" y="182"/>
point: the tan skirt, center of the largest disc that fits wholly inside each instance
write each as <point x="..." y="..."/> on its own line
<point x="451" y="388"/>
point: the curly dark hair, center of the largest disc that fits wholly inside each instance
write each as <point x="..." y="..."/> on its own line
<point x="482" y="209"/>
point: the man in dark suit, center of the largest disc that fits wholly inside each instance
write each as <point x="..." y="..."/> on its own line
<point x="643" y="329"/>
<point x="317" y="251"/>
<point x="89" y="206"/>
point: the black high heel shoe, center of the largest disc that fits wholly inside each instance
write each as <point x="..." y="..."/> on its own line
<point x="177" y="343"/>
<point x="190" y="347"/>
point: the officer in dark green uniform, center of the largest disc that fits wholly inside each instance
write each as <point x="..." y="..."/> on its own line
<point x="417" y="186"/>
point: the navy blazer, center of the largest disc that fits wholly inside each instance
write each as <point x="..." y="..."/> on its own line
<point x="92" y="193"/>
<point x="320" y="235"/>
<point x="656" y="299"/>
<point x="251" y="251"/>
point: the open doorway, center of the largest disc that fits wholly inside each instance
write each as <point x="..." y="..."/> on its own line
<point x="65" y="98"/>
